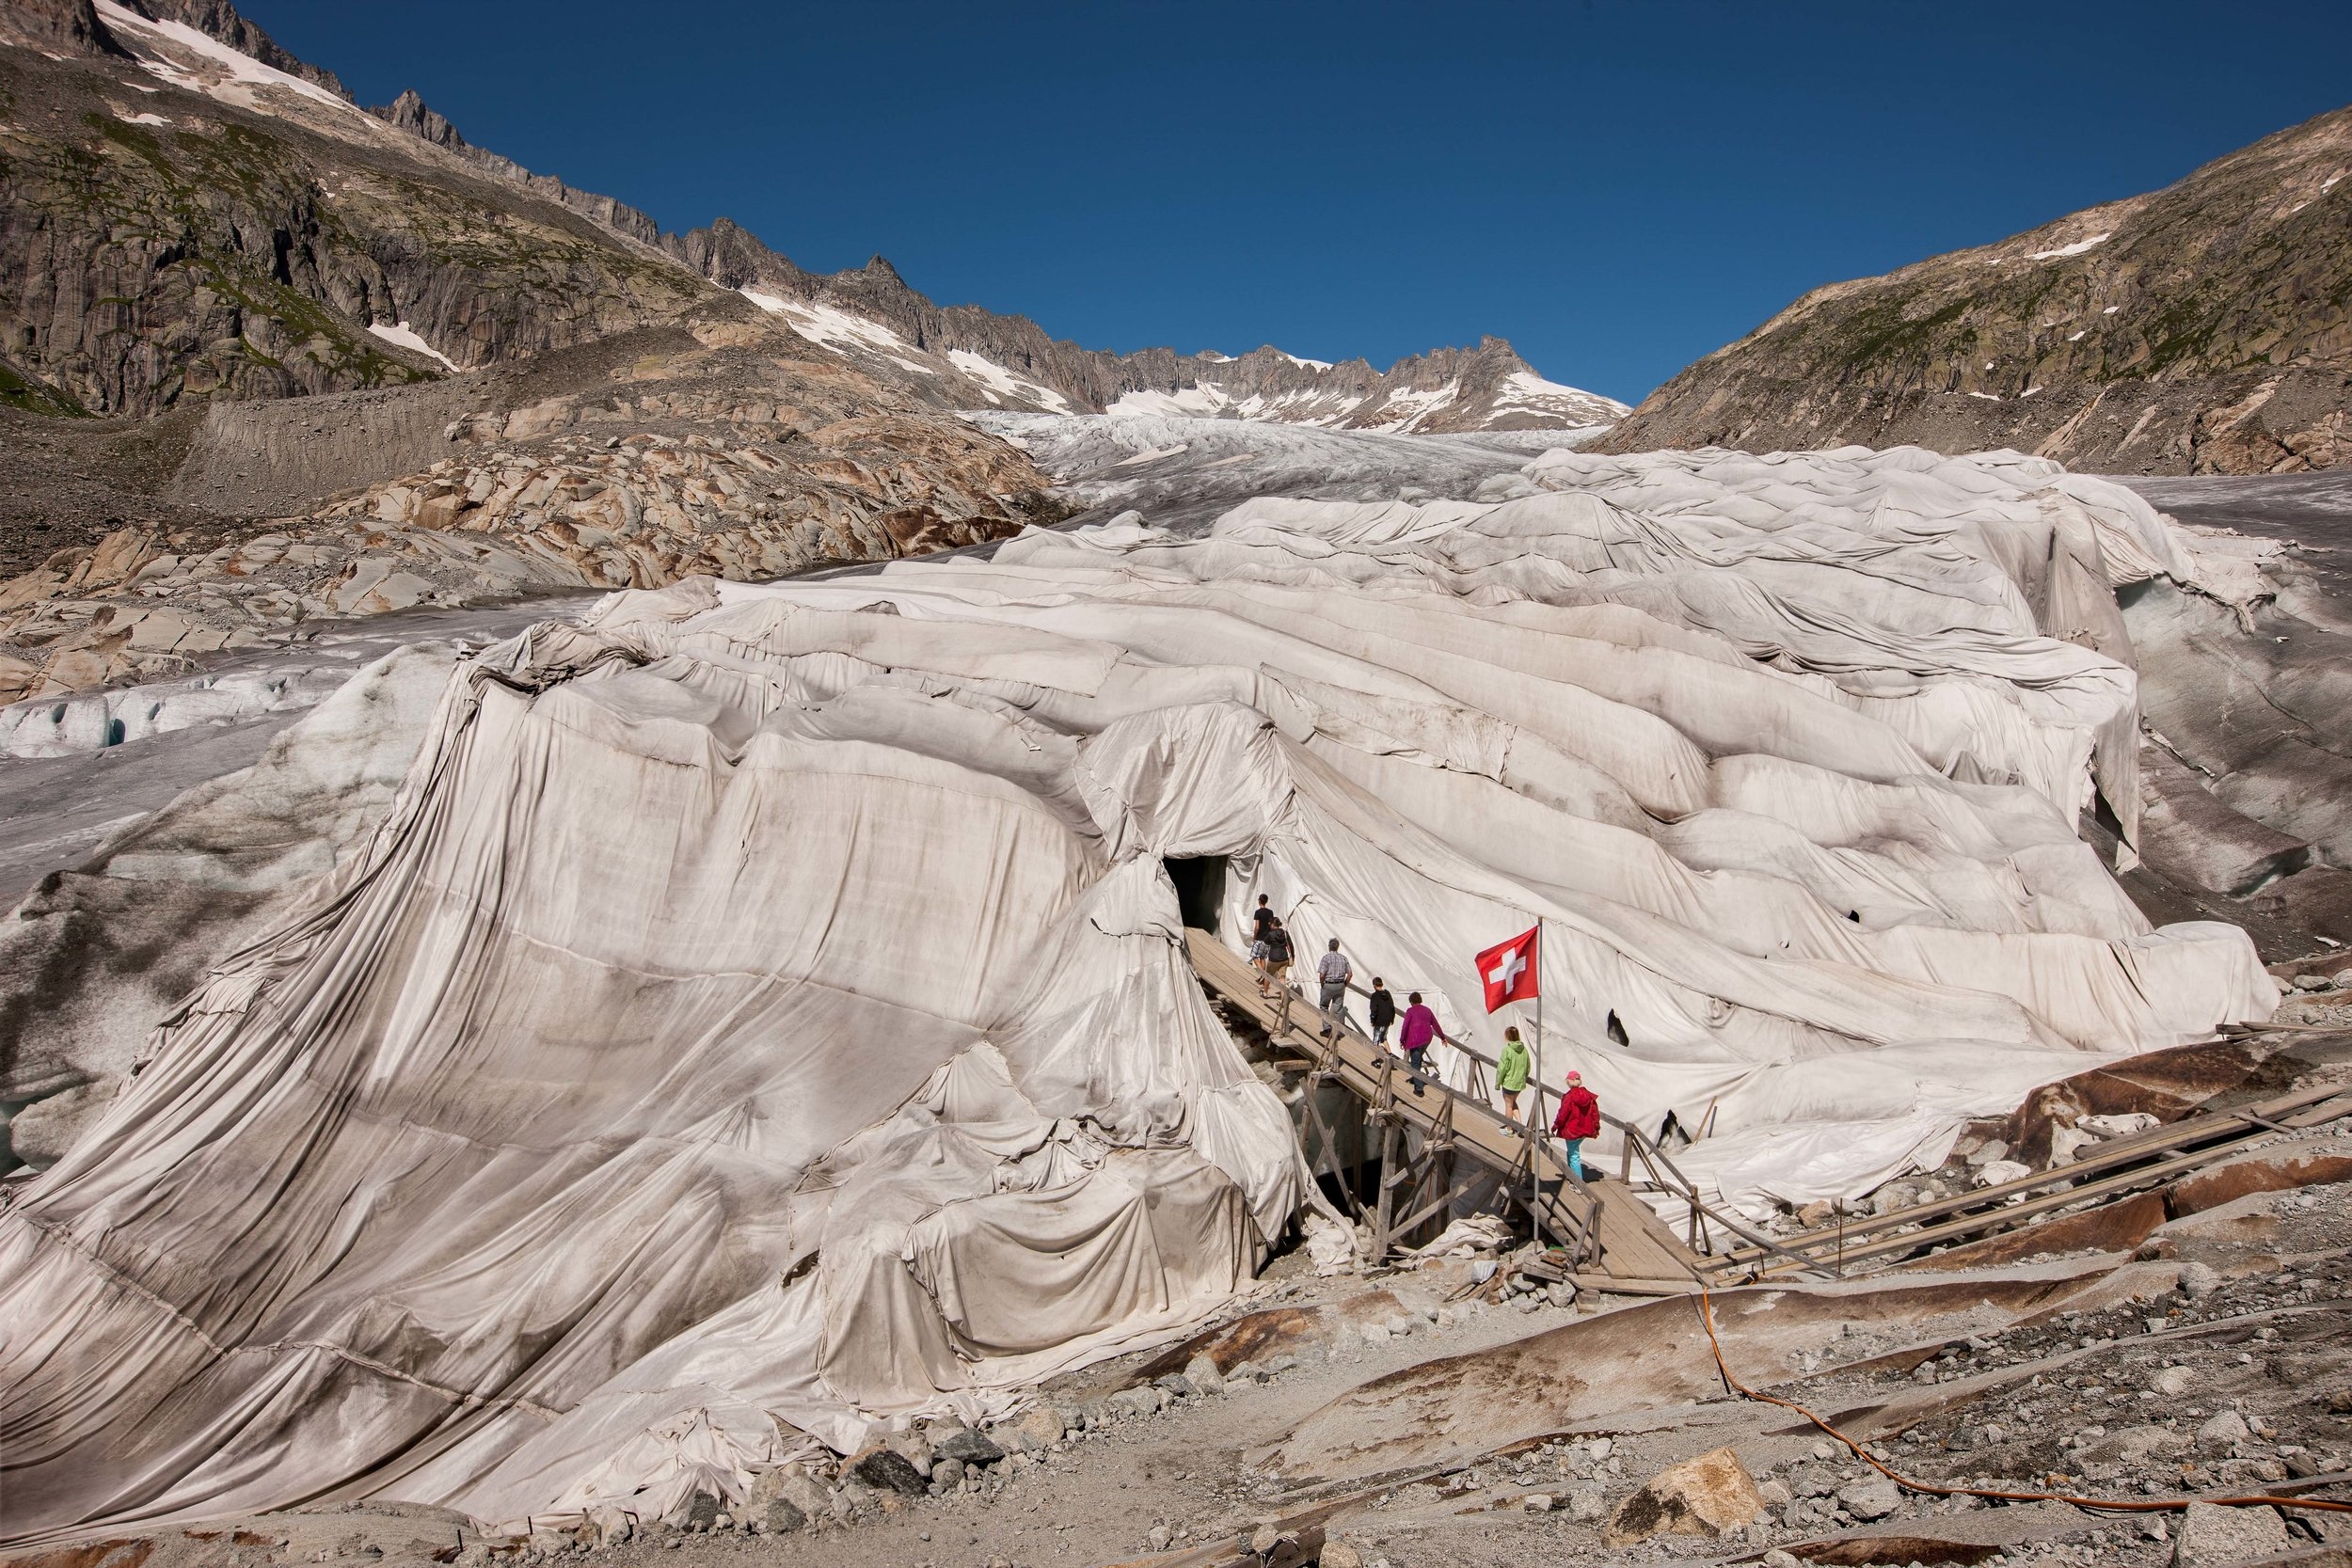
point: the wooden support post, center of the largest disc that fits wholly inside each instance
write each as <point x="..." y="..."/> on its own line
<point x="1391" y="1140"/>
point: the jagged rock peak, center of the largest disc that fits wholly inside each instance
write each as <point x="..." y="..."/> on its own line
<point x="410" y="113"/>
<point x="733" y="257"/>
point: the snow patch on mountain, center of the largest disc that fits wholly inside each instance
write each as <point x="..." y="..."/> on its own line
<point x="1524" y="391"/>
<point x="185" y="57"/>
<point x="404" y="335"/>
<point x="830" y="327"/>
<point x="1202" y="399"/>
<point x="995" y="380"/>
<point x="1408" y="408"/>
<point x="2075" y="250"/>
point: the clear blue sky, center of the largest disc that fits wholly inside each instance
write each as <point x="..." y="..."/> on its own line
<point x="1617" y="188"/>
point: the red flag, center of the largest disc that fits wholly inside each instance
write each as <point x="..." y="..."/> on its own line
<point x="1508" y="971"/>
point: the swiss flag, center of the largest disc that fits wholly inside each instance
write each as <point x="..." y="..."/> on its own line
<point x="1508" y="971"/>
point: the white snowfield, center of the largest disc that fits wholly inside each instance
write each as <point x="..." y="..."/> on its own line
<point x="189" y="58"/>
<point x="410" y="338"/>
<point x="763" y="1011"/>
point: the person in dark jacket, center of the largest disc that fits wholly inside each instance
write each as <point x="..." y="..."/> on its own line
<point x="1261" y="917"/>
<point x="1278" y="959"/>
<point x="1579" y="1119"/>
<point x="1382" y="1009"/>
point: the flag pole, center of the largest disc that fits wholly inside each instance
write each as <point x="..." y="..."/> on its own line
<point x="1536" y="1129"/>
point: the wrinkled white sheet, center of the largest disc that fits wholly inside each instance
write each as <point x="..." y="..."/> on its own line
<point x="764" y="1013"/>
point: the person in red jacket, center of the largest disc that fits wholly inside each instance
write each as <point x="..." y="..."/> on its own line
<point x="1579" y="1119"/>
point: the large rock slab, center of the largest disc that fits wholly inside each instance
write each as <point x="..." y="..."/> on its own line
<point x="1707" y="1496"/>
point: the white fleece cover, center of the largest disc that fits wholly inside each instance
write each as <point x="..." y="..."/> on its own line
<point x="763" y="1012"/>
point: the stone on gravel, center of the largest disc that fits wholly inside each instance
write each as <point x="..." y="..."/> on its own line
<point x="2221" y="1431"/>
<point x="1200" y="1371"/>
<point x="968" y="1447"/>
<point x="2212" y="1536"/>
<point x="1706" y="1496"/>
<point x="1039" y="1428"/>
<point x="1537" y="1502"/>
<point x="1586" y="1507"/>
<point x="1871" y="1497"/>
<point x="885" y="1469"/>
<point x="802" y="1497"/>
<point x="2199" y="1280"/>
<point x="2171" y="1380"/>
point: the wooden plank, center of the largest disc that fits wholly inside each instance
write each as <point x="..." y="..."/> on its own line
<point x="1630" y="1285"/>
<point x="2232" y="1125"/>
<point x="1629" y="1235"/>
<point x="1969" y="1225"/>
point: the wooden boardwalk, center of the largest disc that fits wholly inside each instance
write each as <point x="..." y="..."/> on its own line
<point x="1609" y="1236"/>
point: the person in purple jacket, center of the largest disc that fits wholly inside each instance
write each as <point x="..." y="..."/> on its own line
<point x="1415" y="1030"/>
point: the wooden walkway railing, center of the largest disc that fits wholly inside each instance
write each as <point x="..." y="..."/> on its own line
<point x="1621" y="1240"/>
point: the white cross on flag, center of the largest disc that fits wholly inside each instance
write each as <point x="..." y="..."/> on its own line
<point x="1508" y="971"/>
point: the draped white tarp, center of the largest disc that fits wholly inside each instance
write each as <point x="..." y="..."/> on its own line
<point x="764" y="1013"/>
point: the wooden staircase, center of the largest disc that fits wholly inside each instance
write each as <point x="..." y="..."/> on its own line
<point x="1614" y="1240"/>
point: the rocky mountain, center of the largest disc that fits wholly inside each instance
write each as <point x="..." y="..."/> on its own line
<point x="179" y="218"/>
<point x="870" y="314"/>
<point x="272" y="360"/>
<point x="268" y="357"/>
<point x="2204" y="328"/>
<point x="185" y="208"/>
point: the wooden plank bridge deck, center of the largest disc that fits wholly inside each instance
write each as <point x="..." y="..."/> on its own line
<point x="1615" y="1236"/>
<point x="1617" y="1241"/>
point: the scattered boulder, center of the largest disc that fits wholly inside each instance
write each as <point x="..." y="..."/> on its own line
<point x="2199" y="1280"/>
<point x="2171" y="1382"/>
<point x="1202" y="1372"/>
<point x="2212" y="1536"/>
<point x="2222" y="1430"/>
<point x="967" y="1447"/>
<point x="1707" y="1496"/>
<point x="885" y="1469"/>
<point x="1871" y="1497"/>
<point x="1040" y="1427"/>
<point x="786" y="1497"/>
<point x="701" y="1512"/>
<point x="1587" y="1506"/>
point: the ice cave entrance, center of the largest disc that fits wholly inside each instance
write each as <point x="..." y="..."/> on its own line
<point x="1199" y="889"/>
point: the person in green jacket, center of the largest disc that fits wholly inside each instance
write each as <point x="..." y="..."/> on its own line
<point x="1511" y="1069"/>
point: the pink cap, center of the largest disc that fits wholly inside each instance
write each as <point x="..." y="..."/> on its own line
<point x="1576" y="1078"/>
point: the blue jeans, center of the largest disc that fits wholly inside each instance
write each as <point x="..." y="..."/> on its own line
<point x="1576" y="1160"/>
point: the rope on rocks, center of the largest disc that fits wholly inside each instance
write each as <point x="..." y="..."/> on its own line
<point x="2120" y="1505"/>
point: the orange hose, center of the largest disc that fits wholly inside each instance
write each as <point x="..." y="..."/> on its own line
<point x="2120" y="1505"/>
